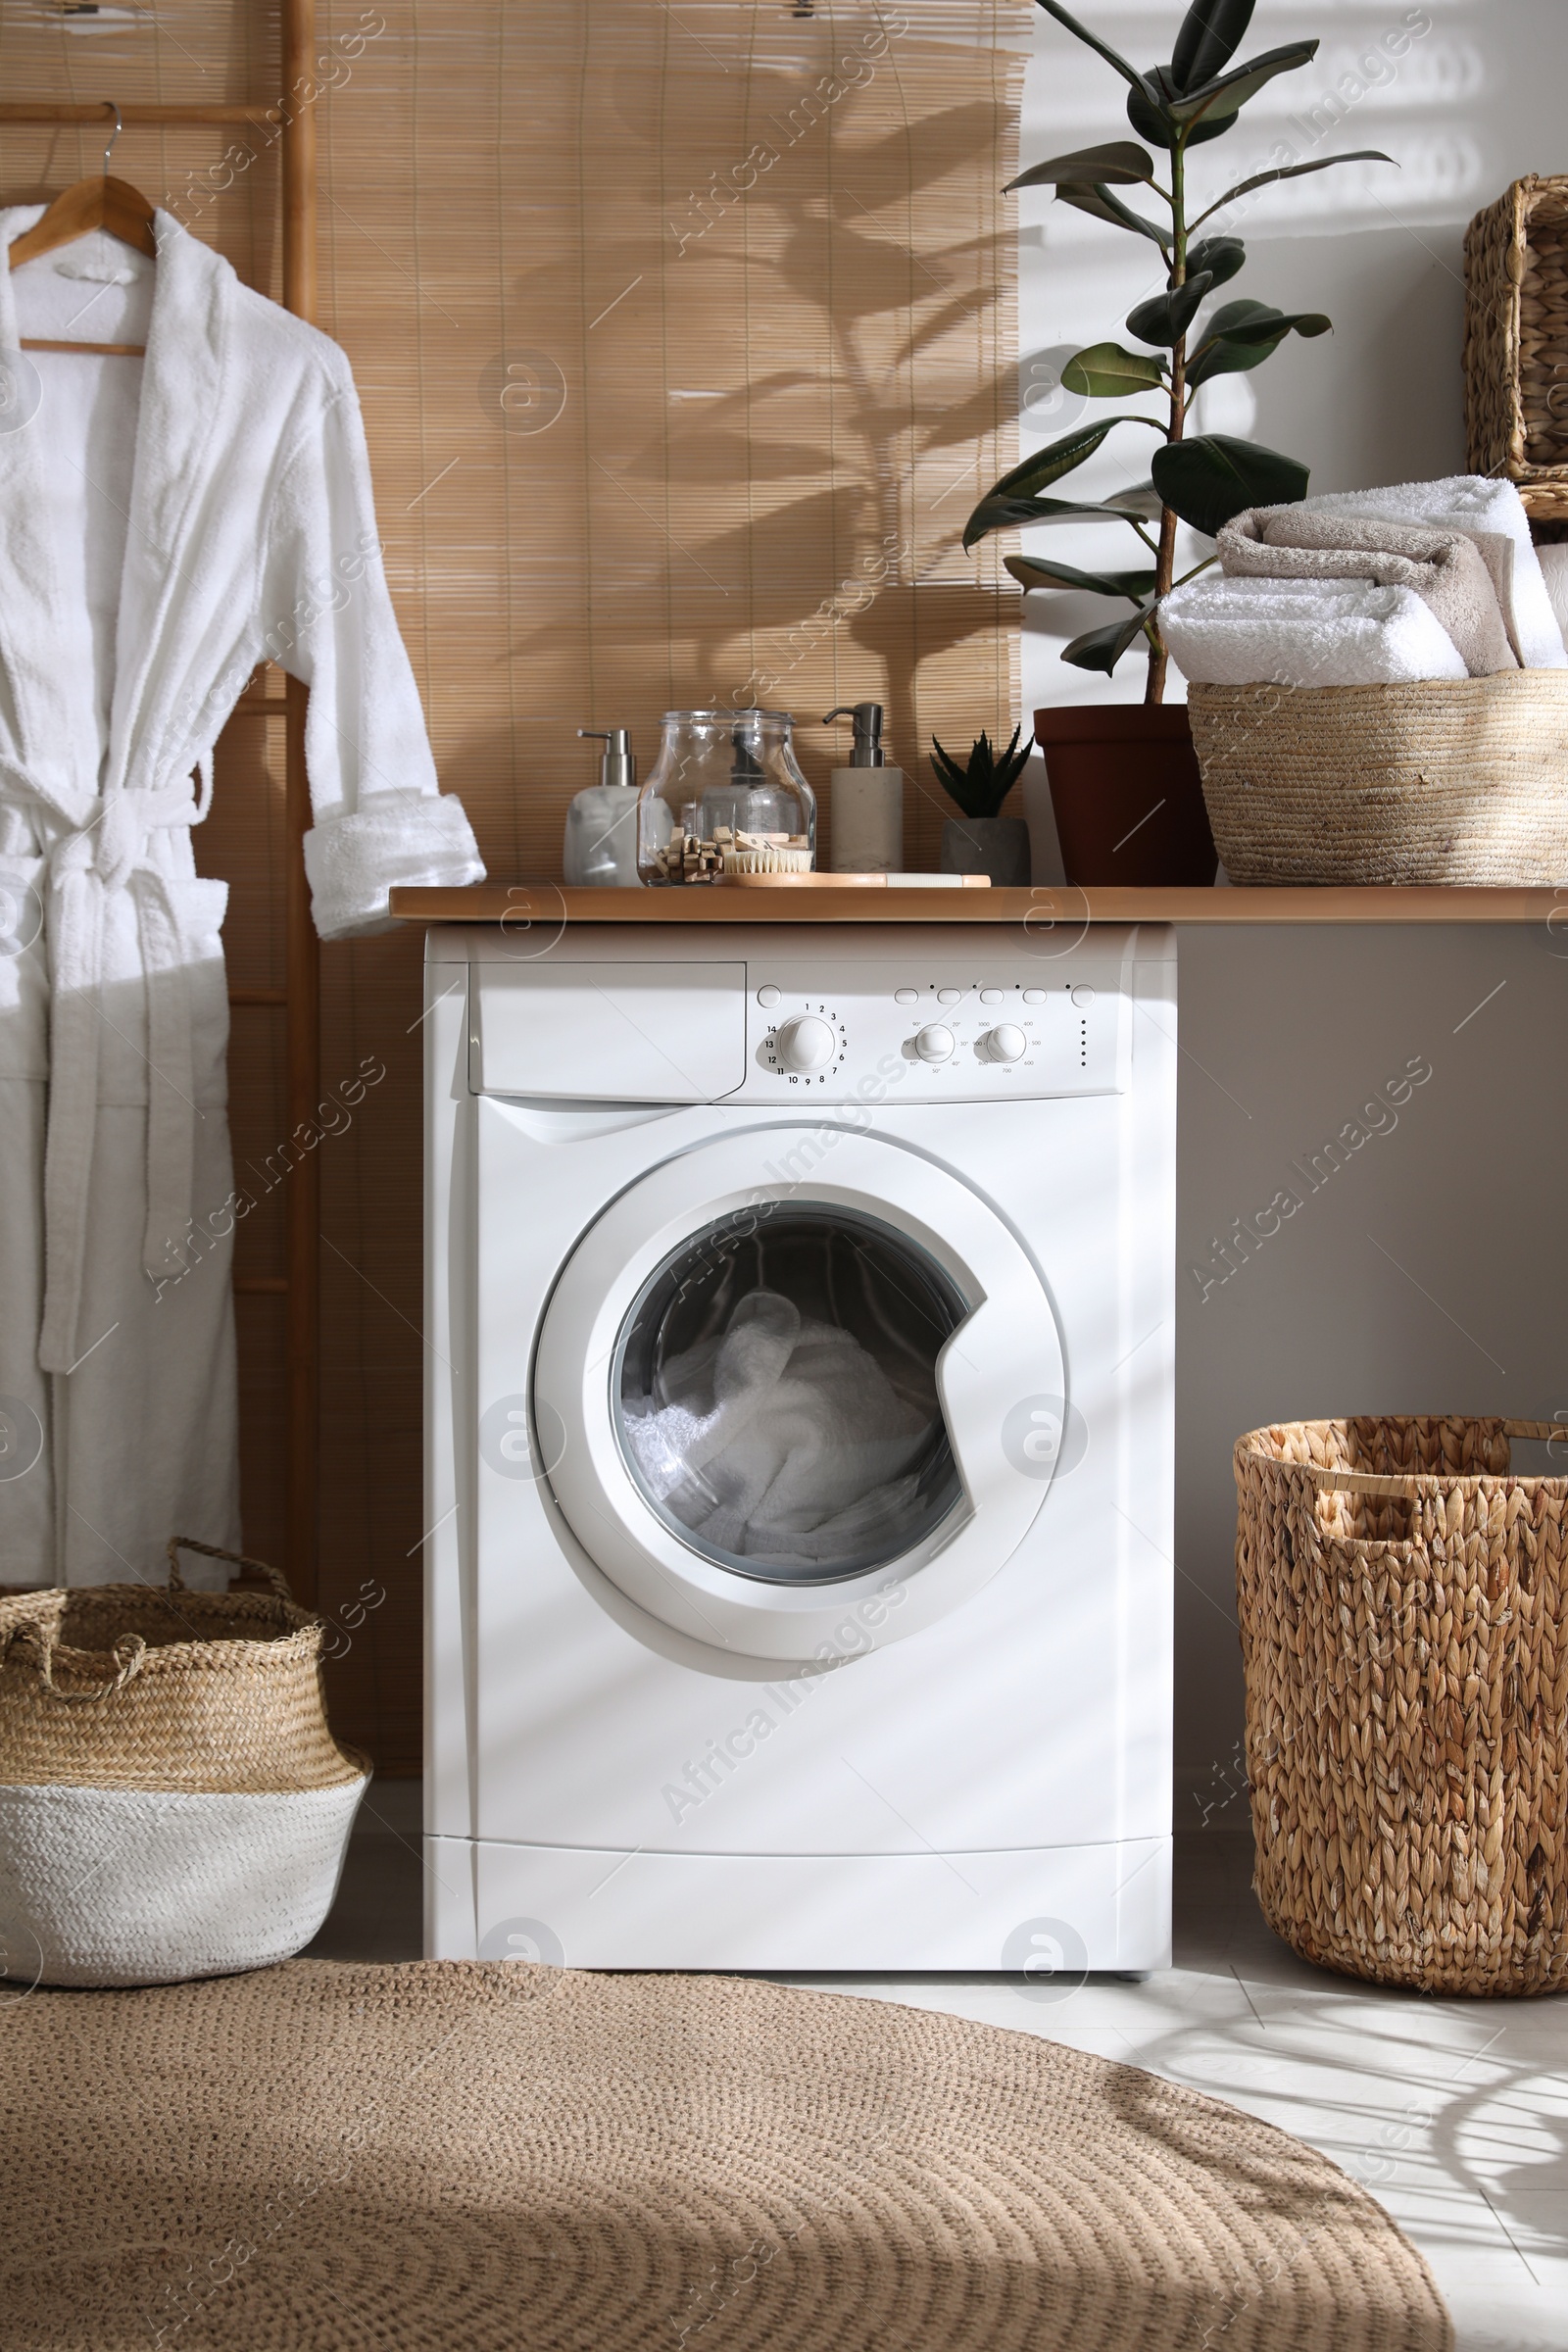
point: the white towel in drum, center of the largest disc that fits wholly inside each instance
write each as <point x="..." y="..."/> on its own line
<point x="1223" y="631"/>
<point x="782" y="1437"/>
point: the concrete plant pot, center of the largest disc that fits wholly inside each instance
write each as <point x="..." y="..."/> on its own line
<point x="997" y="846"/>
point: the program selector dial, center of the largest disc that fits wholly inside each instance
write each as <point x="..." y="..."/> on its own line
<point x="806" y="1042"/>
<point x="1005" y="1042"/>
<point x="935" y="1044"/>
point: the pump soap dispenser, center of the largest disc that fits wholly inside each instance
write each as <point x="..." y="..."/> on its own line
<point x="867" y="805"/>
<point x="601" y="848"/>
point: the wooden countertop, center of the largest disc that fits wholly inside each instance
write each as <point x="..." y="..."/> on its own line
<point x="537" y="902"/>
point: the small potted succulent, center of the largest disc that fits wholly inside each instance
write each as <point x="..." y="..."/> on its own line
<point x="1124" y="778"/>
<point x="982" y="841"/>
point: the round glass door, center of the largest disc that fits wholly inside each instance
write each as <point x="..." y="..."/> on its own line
<point x="773" y="1393"/>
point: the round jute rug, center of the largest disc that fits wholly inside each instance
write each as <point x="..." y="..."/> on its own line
<point x="510" y="2158"/>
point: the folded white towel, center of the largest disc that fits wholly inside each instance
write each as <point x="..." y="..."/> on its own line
<point x="1481" y="506"/>
<point x="1446" y="570"/>
<point x="1223" y="631"/>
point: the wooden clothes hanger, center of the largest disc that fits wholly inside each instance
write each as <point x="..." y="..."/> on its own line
<point x="94" y="203"/>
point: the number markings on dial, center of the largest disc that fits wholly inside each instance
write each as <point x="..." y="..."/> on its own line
<point x="821" y="1065"/>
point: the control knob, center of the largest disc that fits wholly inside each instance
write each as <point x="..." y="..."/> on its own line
<point x="806" y="1042"/>
<point x="935" y="1044"/>
<point x="1005" y="1042"/>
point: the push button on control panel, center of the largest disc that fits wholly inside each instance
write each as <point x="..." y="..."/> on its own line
<point x="906" y="996"/>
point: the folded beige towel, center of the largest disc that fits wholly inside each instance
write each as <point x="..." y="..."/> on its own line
<point x="1447" y="569"/>
<point x="1554" y="571"/>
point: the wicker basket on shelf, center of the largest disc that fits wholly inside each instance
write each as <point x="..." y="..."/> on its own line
<point x="1461" y="780"/>
<point x="1403" y="1605"/>
<point x="1516" y="343"/>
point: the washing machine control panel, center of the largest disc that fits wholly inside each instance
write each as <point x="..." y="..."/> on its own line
<point x="872" y="1032"/>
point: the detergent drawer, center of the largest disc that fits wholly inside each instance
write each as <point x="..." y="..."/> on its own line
<point x="608" y="1032"/>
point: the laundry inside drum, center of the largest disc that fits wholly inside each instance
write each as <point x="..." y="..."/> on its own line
<point x="774" y="1393"/>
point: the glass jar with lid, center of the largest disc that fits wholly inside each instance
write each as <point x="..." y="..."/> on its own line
<point x="725" y="796"/>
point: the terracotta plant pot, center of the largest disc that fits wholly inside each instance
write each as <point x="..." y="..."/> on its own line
<point x="1128" y="796"/>
<point x="998" y="846"/>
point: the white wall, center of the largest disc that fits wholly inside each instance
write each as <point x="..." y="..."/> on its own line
<point x="1431" y="1273"/>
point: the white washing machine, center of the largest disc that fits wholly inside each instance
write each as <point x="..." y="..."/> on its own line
<point x="800" y="1345"/>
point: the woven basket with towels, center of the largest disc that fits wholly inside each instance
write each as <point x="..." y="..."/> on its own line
<point x="1378" y="689"/>
<point x="1463" y="780"/>
<point x="172" y="1802"/>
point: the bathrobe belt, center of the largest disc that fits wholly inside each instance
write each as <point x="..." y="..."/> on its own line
<point x="111" y="855"/>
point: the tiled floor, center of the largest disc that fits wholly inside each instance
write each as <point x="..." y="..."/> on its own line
<point x="1453" y="2112"/>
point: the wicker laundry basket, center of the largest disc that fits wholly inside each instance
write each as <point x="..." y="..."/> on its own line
<point x="172" y="1804"/>
<point x="1461" y="780"/>
<point x="1403" y="1603"/>
<point x="1516" y="343"/>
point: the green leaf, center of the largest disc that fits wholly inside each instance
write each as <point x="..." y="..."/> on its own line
<point x="1165" y="318"/>
<point x="1102" y="648"/>
<point x="1149" y="116"/>
<point x="1037" y="571"/>
<point x="1098" y="202"/>
<point x="1108" y="372"/>
<point x="1212" y="478"/>
<point x="1034" y="474"/>
<point x="1118" y="163"/>
<point x="1227" y="359"/>
<point x="1141" y="499"/>
<point x="1225" y="96"/>
<point x="1211" y="32"/>
<point x="1261" y="179"/>
<point x="1091" y="40"/>
<point x="1140" y="503"/>
<point x="1240" y="335"/>
<point x="997" y="513"/>
<point x="983" y="782"/>
<point x="1250" y="321"/>
<point x="1221" y="257"/>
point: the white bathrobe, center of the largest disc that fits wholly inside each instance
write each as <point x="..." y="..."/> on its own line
<point x="167" y="523"/>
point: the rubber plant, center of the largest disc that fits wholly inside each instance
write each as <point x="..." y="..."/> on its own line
<point x="1202" y="479"/>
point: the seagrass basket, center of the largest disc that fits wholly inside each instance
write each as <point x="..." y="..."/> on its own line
<point x="1516" y="343"/>
<point x="1403" y="1605"/>
<point x="172" y="1802"/>
<point x="1448" y="780"/>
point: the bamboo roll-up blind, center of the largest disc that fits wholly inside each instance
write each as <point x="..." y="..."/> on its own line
<point x="684" y="338"/>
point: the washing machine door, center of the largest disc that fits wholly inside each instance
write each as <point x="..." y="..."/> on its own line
<point x="768" y="1398"/>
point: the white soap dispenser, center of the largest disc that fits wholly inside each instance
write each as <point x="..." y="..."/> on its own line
<point x="601" y="846"/>
<point x="867" y="802"/>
